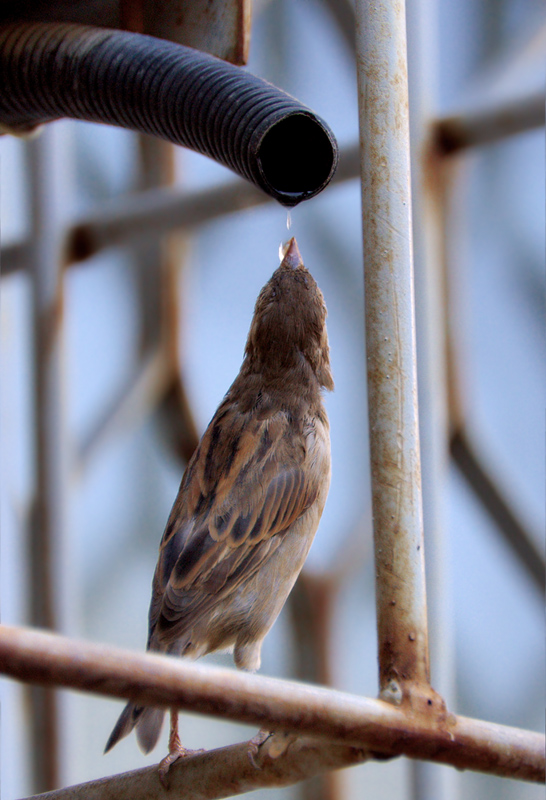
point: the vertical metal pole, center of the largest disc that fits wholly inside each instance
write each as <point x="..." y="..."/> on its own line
<point x="50" y="599"/>
<point x="158" y="264"/>
<point x="390" y="343"/>
<point x="431" y="781"/>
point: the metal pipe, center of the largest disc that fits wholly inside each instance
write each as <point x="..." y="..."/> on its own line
<point x="162" y="263"/>
<point x="50" y="597"/>
<point x="343" y="13"/>
<point x="223" y="772"/>
<point x="390" y="345"/>
<point x="431" y="781"/>
<point x="311" y="605"/>
<point x="378" y="727"/>
<point x="52" y="70"/>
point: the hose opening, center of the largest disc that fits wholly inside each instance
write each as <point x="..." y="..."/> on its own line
<point x="296" y="158"/>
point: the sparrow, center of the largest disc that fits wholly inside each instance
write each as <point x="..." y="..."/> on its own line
<point x="250" y="499"/>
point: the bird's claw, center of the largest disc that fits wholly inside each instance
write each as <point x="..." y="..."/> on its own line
<point x="279" y="742"/>
<point x="254" y="745"/>
<point x="174" y="755"/>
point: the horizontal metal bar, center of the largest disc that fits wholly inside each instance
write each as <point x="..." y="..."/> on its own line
<point x="14" y="258"/>
<point x="489" y="494"/>
<point x="484" y="125"/>
<point x="157" y="211"/>
<point x="427" y="733"/>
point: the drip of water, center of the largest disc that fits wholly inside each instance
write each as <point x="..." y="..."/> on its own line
<point x="288" y="220"/>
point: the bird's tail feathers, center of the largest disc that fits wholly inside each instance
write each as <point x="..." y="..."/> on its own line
<point x="125" y="724"/>
<point x="149" y="727"/>
<point x="148" y="723"/>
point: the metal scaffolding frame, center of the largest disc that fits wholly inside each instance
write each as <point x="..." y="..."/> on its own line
<point x="409" y="718"/>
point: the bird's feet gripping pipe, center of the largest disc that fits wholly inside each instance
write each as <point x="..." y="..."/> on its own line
<point x="176" y="750"/>
<point x="278" y="744"/>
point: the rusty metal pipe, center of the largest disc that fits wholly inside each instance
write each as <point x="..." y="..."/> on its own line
<point x="52" y="70"/>
<point x="379" y="728"/>
<point x="390" y="344"/>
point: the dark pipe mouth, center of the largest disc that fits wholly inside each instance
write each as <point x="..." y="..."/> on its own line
<point x="297" y="158"/>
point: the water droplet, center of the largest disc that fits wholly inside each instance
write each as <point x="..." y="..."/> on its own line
<point x="288" y="220"/>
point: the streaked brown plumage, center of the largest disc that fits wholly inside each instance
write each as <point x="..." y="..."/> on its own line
<point x="252" y="495"/>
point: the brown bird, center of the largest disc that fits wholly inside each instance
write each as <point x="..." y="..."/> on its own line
<point x="251" y="497"/>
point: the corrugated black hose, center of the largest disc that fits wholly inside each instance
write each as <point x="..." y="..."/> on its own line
<point x="52" y="70"/>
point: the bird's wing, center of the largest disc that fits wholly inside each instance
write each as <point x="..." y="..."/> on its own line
<point x="244" y="487"/>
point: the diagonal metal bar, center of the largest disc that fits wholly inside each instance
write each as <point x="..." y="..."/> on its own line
<point x="157" y="381"/>
<point x="480" y="481"/>
<point x="390" y="346"/>
<point x="374" y="725"/>
<point x="135" y="400"/>
<point x="224" y="772"/>
<point x="343" y="13"/>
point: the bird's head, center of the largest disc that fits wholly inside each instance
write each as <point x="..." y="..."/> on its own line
<point x="289" y="323"/>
